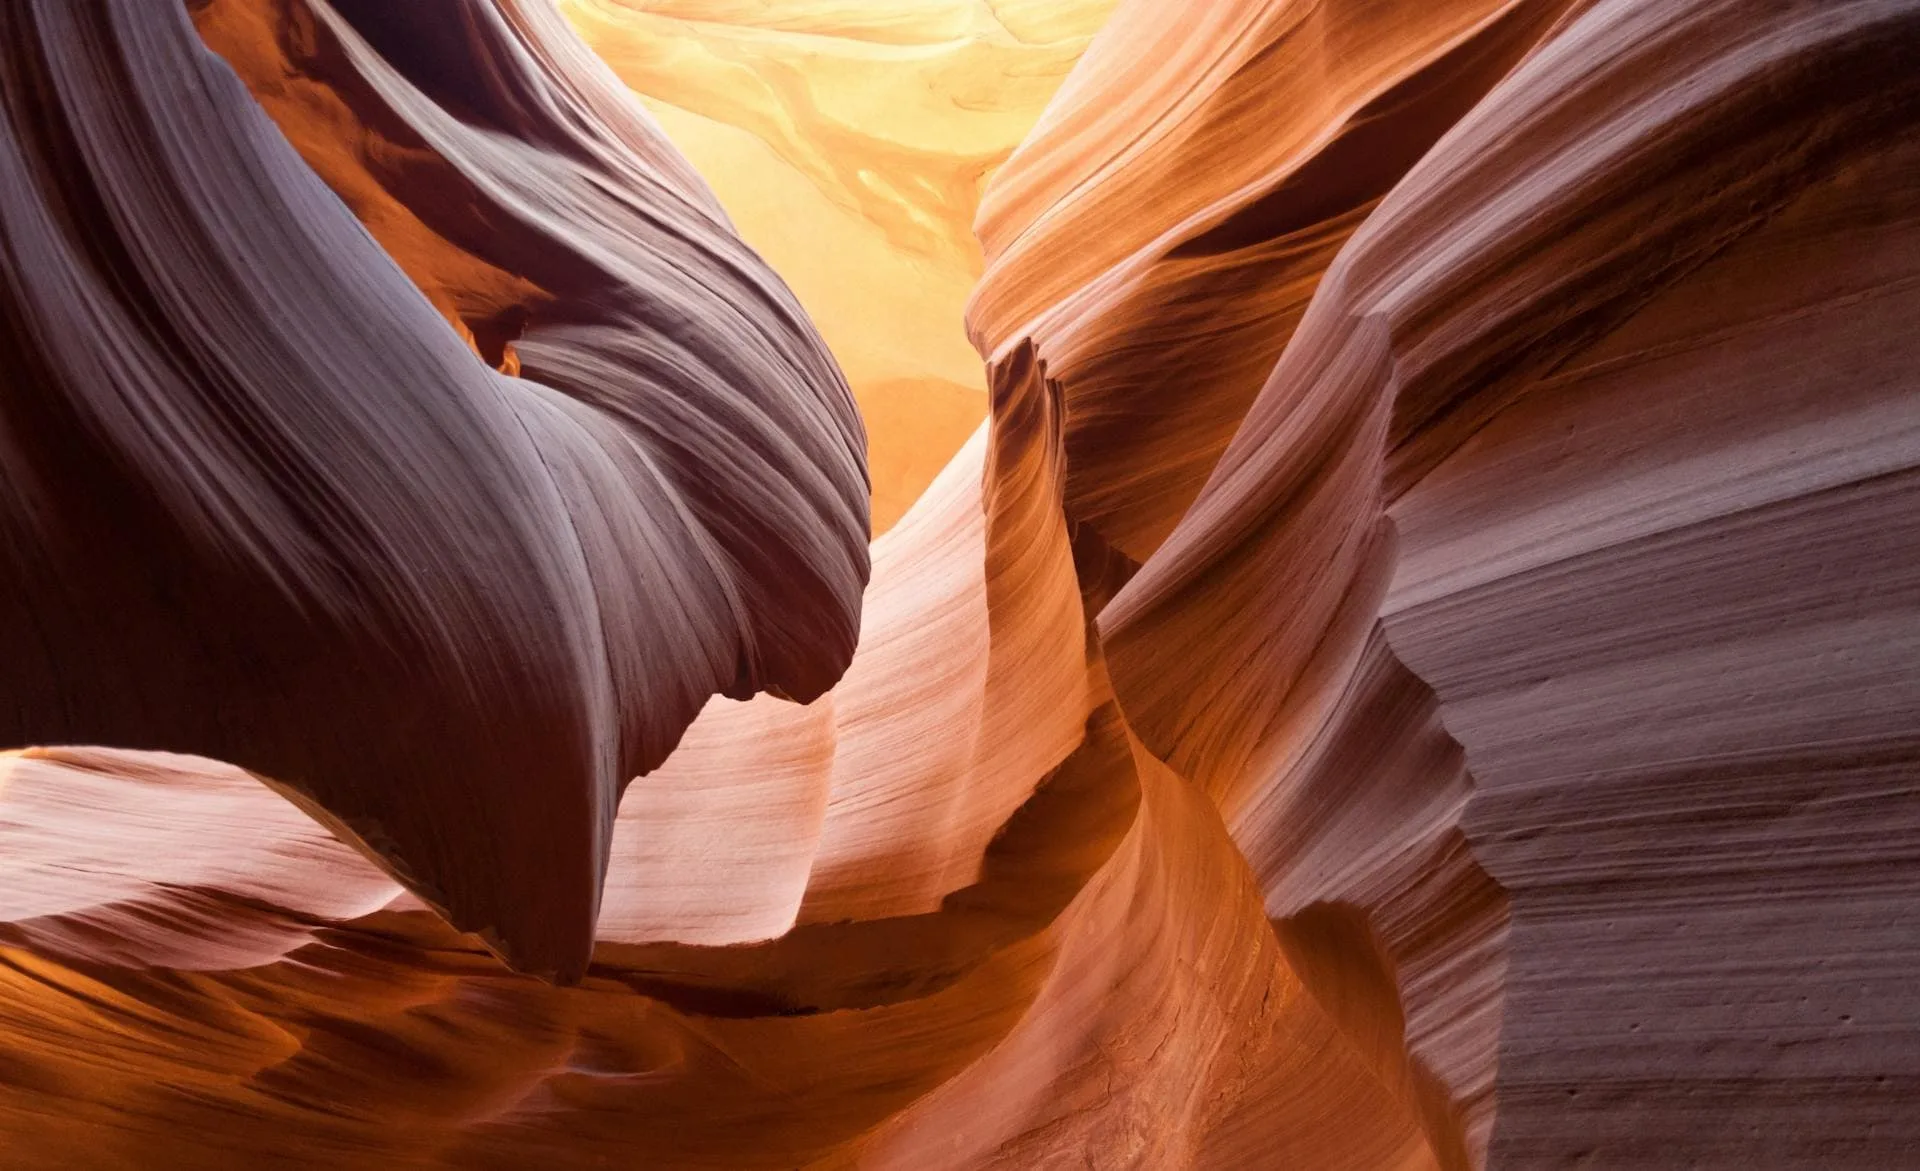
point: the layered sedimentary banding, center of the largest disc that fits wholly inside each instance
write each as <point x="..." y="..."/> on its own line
<point x="1414" y="671"/>
<point x="265" y="506"/>
<point x="1595" y="210"/>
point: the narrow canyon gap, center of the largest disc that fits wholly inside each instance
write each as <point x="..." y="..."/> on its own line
<point x="1240" y="584"/>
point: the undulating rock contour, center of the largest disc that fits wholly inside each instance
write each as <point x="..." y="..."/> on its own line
<point x="1418" y="667"/>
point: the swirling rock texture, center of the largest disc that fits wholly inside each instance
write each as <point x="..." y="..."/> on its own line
<point x="1415" y="670"/>
<point x="266" y="506"/>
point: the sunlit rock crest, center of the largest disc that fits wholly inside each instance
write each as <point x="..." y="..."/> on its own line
<point x="850" y="144"/>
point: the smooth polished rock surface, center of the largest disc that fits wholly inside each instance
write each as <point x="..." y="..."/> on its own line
<point x="1416" y="669"/>
<point x="264" y="505"/>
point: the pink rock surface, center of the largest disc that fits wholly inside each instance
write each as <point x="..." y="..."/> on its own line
<point x="1416" y="671"/>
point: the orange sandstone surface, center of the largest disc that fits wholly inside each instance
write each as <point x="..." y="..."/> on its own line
<point x="1395" y="646"/>
<point x="849" y="145"/>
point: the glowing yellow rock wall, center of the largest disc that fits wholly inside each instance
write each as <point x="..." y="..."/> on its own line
<point x="849" y="142"/>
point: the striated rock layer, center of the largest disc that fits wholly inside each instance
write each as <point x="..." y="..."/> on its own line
<point x="262" y="504"/>
<point x="1591" y="335"/>
<point x="1416" y="669"/>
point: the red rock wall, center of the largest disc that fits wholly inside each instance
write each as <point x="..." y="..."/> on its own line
<point x="1416" y="670"/>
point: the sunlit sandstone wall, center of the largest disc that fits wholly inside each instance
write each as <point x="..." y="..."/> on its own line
<point x="1505" y="407"/>
<point x="1416" y="672"/>
<point x="849" y="144"/>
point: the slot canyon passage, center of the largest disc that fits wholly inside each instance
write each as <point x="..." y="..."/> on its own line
<point x="924" y="584"/>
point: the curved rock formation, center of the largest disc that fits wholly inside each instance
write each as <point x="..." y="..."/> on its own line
<point x="265" y="506"/>
<point x="1415" y="671"/>
<point x="1531" y="401"/>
